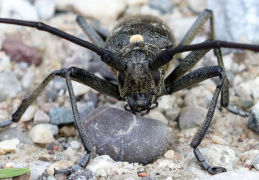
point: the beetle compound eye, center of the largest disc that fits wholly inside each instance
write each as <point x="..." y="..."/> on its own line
<point x="121" y="80"/>
<point x="157" y="77"/>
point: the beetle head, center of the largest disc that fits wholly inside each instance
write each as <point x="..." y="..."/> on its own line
<point x="139" y="84"/>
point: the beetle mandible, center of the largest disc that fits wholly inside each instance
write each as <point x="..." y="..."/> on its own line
<point x="138" y="51"/>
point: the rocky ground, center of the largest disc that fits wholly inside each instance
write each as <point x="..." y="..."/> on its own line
<point x="45" y="137"/>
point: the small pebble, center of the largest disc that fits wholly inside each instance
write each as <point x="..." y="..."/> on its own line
<point x="71" y="153"/>
<point x="19" y="52"/>
<point x="45" y="8"/>
<point x="68" y="131"/>
<point x="41" y="134"/>
<point x="60" y="116"/>
<point x="192" y="116"/>
<point x="100" y="164"/>
<point x="28" y="114"/>
<point x="8" y="146"/>
<point x="75" y="145"/>
<point x="169" y="154"/>
<point x="37" y="168"/>
<point x="53" y="128"/>
<point x="218" y="140"/>
<point x="40" y="117"/>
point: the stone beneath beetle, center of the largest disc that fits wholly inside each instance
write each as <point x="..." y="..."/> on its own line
<point x="126" y="137"/>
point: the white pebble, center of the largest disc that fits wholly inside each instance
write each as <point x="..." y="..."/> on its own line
<point x="8" y="146"/>
<point x="169" y="154"/>
<point x="75" y="145"/>
<point x="101" y="162"/>
<point x="41" y="134"/>
<point x="71" y="153"/>
<point x="29" y="113"/>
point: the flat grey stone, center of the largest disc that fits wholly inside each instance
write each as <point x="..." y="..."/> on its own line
<point x="126" y="137"/>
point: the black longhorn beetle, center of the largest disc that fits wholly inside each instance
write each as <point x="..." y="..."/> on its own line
<point x="139" y="50"/>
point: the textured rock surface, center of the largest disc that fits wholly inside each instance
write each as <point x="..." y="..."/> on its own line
<point x="126" y="137"/>
<point x="237" y="175"/>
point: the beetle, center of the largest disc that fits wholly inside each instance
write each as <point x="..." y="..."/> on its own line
<point x="139" y="50"/>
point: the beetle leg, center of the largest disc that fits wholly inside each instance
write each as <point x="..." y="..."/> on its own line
<point x="89" y="31"/>
<point x="197" y="27"/>
<point x="81" y="76"/>
<point x="188" y="80"/>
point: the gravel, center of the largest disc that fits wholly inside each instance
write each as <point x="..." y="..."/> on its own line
<point x="229" y="142"/>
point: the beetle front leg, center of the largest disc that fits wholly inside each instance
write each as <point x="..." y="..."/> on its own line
<point x="83" y="77"/>
<point x="189" y="80"/>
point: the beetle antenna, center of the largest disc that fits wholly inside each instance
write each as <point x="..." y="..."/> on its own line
<point x="166" y="56"/>
<point x="107" y="56"/>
